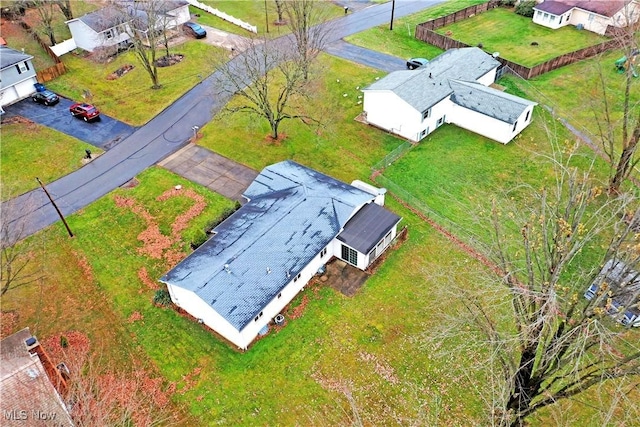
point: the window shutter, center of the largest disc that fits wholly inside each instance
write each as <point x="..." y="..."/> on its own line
<point x="18" y="68"/>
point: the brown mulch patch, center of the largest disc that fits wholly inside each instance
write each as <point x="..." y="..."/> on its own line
<point x="271" y="141"/>
<point x="167" y="61"/>
<point x="8" y="322"/>
<point x="120" y="72"/>
<point x="16" y="120"/>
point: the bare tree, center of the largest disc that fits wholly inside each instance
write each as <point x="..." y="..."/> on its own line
<point x="280" y="10"/>
<point x="619" y="136"/>
<point x="306" y="20"/>
<point x="549" y="342"/>
<point x="65" y="8"/>
<point x="18" y="264"/>
<point x="147" y="24"/>
<point x="46" y="11"/>
<point x="266" y="78"/>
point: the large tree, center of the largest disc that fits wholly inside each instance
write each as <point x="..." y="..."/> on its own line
<point x="619" y="134"/>
<point x="548" y="342"/>
<point x="46" y="12"/>
<point x="65" y="8"/>
<point x="267" y="80"/>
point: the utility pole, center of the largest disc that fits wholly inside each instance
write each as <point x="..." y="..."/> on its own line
<point x="266" y="15"/>
<point x="393" y="8"/>
<point x="64" y="221"/>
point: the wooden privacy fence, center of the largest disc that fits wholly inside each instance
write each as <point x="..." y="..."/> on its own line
<point x="50" y="73"/>
<point x="425" y="32"/>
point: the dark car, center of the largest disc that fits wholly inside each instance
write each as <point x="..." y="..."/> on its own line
<point x="45" y="97"/>
<point x="195" y="30"/>
<point x="413" y="63"/>
<point x="86" y="111"/>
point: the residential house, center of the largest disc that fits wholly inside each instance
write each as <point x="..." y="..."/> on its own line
<point x="295" y="220"/>
<point x="452" y="88"/>
<point x="17" y="76"/>
<point x="592" y="15"/>
<point x="110" y="26"/>
<point x="617" y="287"/>
<point x="29" y="385"/>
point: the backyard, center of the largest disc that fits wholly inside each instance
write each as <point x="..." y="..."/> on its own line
<point x="372" y="357"/>
<point x="513" y="36"/>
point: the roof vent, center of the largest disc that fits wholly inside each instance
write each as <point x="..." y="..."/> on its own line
<point x="268" y="270"/>
<point x="226" y="268"/>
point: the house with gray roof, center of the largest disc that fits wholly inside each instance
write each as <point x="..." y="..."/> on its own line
<point x="111" y="25"/>
<point x="592" y="15"/>
<point x="17" y="76"/>
<point x="295" y="220"/>
<point x="452" y="88"/>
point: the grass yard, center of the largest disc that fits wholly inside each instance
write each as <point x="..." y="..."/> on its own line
<point x="502" y="30"/>
<point x="29" y="150"/>
<point x="130" y="97"/>
<point x="401" y="41"/>
<point x="17" y="38"/>
<point x="340" y="145"/>
<point x="253" y="12"/>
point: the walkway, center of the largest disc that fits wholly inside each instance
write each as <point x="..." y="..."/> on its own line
<point x="162" y="136"/>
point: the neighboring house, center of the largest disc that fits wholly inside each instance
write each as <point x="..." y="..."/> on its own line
<point x="592" y="15"/>
<point x="618" y="288"/>
<point x="110" y="26"/>
<point x="17" y="76"/>
<point x="27" y="393"/>
<point x="452" y="88"/>
<point x="295" y="220"/>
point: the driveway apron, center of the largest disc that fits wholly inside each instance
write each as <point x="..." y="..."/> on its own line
<point x="105" y="132"/>
<point x="219" y="174"/>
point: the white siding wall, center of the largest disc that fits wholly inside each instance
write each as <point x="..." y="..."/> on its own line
<point x="591" y="21"/>
<point x="488" y="78"/>
<point x="628" y="15"/>
<point x="377" y="251"/>
<point x="487" y="126"/>
<point x="86" y="38"/>
<point x="387" y="111"/>
<point x="18" y="90"/>
<point x="548" y="20"/>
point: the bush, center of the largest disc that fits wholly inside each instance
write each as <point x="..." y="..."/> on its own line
<point x="224" y="215"/>
<point x="508" y="3"/>
<point x="525" y="8"/>
<point x="162" y="297"/>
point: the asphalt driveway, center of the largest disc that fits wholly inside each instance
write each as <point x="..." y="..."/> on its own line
<point x="367" y="57"/>
<point x="104" y="133"/>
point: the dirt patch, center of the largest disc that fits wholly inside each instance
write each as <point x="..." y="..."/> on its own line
<point x="120" y="72"/>
<point x="270" y="140"/>
<point x="13" y="120"/>
<point x="167" y="61"/>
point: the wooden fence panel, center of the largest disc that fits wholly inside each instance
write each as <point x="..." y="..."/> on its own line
<point x="51" y="73"/>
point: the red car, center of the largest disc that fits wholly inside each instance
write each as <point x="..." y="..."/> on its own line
<point x="86" y="111"/>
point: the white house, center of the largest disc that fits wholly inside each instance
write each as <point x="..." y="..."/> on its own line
<point x="109" y="26"/>
<point x="17" y="76"/>
<point x="617" y="288"/>
<point x="592" y="15"/>
<point x="452" y="88"/>
<point x="294" y="221"/>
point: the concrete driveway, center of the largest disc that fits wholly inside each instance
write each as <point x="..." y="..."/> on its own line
<point x="104" y="133"/>
<point x="216" y="172"/>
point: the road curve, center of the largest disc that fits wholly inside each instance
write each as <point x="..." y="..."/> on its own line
<point x="162" y="136"/>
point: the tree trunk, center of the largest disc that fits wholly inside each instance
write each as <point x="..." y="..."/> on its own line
<point x="525" y="387"/>
<point x="65" y="8"/>
<point x="623" y="168"/>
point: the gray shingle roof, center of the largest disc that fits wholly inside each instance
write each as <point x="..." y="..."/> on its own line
<point x="368" y="227"/>
<point x="488" y="101"/>
<point x="103" y="19"/>
<point x="293" y="212"/>
<point x="110" y="16"/>
<point x="553" y="7"/>
<point x="9" y="57"/>
<point x="606" y="8"/>
<point x="425" y="87"/>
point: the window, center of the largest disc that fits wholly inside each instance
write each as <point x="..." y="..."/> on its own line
<point x="295" y="279"/>
<point x="526" y="119"/>
<point x="22" y="67"/>
<point x="553" y="18"/>
<point x="280" y="295"/>
<point x="323" y="253"/>
<point x="514" y="126"/>
<point x="546" y="16"/>
<point x="255" y="319"/>
<point x="349" y="255"/>
<point x="440" y="121"/>
<point x="562" y="16"/>
<point x="110" y="33"/>
<point x="422" y="134"/>
<point x="591" y="16"/>
<point x="426" y="114"/>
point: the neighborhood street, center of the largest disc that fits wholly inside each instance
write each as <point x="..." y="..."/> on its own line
<point x="163" y="135"/>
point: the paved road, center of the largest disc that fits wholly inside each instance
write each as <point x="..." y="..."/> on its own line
<point x="367" y="57"/>
<point x="104" y="133"/>
<point x="162" y="136"/>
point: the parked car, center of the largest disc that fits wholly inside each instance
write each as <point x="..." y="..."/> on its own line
<point x="591" y="291"/>
<point x="413" y="63"/>
<point x="45" y="97"/>
<point x="195" y="30"/>
<point x="86" y="111"/>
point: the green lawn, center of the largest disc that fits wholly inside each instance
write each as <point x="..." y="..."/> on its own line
<point x="130" y="98"/>
<point x="401" y="41"/>
<point x="253" y="12"/>
<point x="30" y="150"/>
<point x="502" y="30"/>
